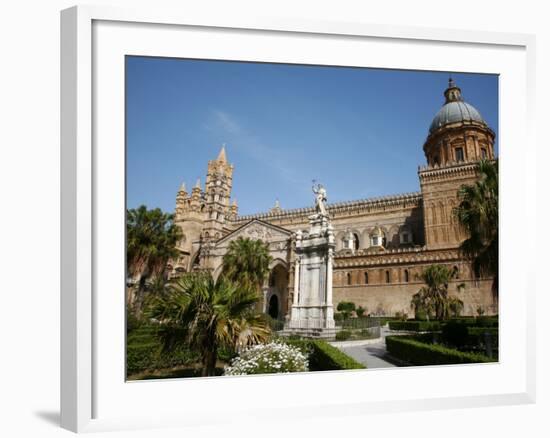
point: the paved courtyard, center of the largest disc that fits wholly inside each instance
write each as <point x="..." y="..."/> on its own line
<point x="372" y="355"/>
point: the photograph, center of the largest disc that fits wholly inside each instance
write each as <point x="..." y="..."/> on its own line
<point x="286" y="218"/>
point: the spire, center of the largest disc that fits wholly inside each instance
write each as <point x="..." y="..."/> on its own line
<point x="198" y="184"/>
<point x="234" y="202"/>
<point x="182" y="188"/>
<point x="221" y="156"/>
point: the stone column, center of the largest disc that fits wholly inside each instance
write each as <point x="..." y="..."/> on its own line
<point x="330" y="310"/>
<point x="296" y="281"/>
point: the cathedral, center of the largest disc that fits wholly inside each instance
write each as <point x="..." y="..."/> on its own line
<point x="381" y="245"/>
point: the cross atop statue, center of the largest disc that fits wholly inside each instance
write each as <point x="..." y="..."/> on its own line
<point x="320" y="198"/>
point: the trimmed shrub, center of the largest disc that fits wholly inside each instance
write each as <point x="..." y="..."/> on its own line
<point x="415" y="326"/>
<point x="483" y="321"/>
<point x="144" y="352"/>
<point x="325" y="357"/>
<point x="412" y="350"/>
<point x="455" y="333"/>
<point x="370" y="333"/>
<point x="346" y="308"/>
<point x="343" y="335"/>
<point x="140" y="357"/>
<point x="480" y="331"/>
<point x="463" y="337"/>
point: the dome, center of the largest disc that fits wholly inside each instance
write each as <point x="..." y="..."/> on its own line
<point x="455" y="110"/>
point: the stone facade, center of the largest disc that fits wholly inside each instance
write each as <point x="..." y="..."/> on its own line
<point x="381" y="245"/>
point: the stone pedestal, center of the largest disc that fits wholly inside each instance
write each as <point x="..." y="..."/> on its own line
<point x="312" y="313"/>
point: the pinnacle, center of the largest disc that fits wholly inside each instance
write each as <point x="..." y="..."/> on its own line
<point x="222" y="156"/>
<point x="198" y="184"/>
<point x="182" y="188"/>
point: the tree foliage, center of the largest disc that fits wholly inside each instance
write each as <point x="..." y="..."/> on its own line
<point x="151" y="242"/>
<point x="346" y="308"/>
<point x="246" y="262"/>
<point x="207" y="315"/>
<point x="477" y="214"/>
<point x="433" y="298"/>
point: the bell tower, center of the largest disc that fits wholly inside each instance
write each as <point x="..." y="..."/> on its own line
<point x="458" y="139"/>
<point x="219" y="181"/>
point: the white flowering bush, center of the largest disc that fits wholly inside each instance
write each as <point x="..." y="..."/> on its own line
<point x="274" y="357"/>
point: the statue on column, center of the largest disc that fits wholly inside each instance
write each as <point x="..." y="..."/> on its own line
<point x="312" y="313"/>
<point x="320" y="199"/>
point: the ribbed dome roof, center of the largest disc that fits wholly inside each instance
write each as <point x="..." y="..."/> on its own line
<point x="455" y="110"/>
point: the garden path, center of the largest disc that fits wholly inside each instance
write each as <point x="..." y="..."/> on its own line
<point x="372" y="355"/>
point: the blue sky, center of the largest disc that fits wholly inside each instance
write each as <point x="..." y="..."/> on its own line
<point x="358" y="131"/>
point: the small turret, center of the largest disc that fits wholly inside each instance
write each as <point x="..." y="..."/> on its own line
<point x="196" y="192"/>
<point x="182" y="189"/>
<point x="233" y="210"/>
<point x="276" y="209"/>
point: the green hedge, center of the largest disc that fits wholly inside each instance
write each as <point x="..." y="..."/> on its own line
<point x="415" y="326"/>
<point x="480" y="331"/>
<point x="325" y="357"/>
<point x="343" y="335"/>
<point x="480" y="321"/>
<point x="143" y="352"/>
<point x="460" y="335"/>
<point x="413" y="351"/>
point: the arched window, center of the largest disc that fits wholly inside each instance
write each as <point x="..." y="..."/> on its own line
<point x="387" y="276"/>
<point x="484" y="153"/>
<point x="456" y="272"/>
<point x="378" y="237"/>
<point x="406" y="275"/>
<point x="436" y="160"/>
<point x="355" y="241"/>
<point x="348" y="278"/>
<point x="366" y="275"/>
<point x="459" y="155"/>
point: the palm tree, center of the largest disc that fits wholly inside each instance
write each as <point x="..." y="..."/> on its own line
<point x="434" y="297"/>
<point x="206" y="315"/>
<point x="151" y="242"/>
<point x="246" y="262"/>
<point x="477" y="214"/>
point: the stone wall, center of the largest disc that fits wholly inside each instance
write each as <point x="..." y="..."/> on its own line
<point x="387" y="299"/>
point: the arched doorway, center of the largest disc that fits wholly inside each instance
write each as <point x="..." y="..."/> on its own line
<point x="276" y="304"/>
<point x="273" y="308"/>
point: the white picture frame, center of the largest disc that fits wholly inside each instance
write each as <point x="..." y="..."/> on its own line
<point x="92" y="394"/>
